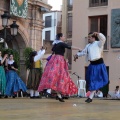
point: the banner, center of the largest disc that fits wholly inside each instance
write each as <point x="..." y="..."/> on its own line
<point x="19" y="8"/>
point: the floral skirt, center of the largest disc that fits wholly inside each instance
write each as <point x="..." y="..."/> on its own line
<point x="56" y="77"/>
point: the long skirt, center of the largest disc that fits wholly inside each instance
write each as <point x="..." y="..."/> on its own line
<point x="34" y="78"/>
<point x="56" y="77"/>
<point x="14" y="83"/>
<point x="96" y="77"/>
<point x="2" y="81"/>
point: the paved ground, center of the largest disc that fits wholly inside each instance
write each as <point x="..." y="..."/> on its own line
<point x="51" y="109"/>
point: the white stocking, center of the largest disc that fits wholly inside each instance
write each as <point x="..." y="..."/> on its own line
<point x="36" y="93"/>
<point x="31" y="93"/>
<point x="59" y="95"/>
<point x="49" y="91"/>
<point x="92" y="94"/>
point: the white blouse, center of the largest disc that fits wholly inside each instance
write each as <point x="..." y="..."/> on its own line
<point x="39" y="55"/>
<point x="93" y="51"/>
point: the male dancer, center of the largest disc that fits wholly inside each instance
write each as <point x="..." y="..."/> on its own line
<point x="96" y="76"/>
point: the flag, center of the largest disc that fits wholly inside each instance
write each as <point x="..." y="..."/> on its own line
<point x="19" y="8"/>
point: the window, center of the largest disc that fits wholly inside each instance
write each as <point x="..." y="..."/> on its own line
<point x="99" y="23"/>
<point x="95" y="3"/>
<point x="47" y="35"/>
<point x="70" y="5"/>
<point x="69" y="26"/>
<point x="48" y="21"/>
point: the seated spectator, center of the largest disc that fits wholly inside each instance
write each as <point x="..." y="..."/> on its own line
<point x="98" y="94"/>
<point x="117" y="92"/>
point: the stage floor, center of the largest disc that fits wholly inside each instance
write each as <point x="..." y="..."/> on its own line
<point x="51" y="109"/>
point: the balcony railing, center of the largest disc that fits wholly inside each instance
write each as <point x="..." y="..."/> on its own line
<point x="95" y="3"/>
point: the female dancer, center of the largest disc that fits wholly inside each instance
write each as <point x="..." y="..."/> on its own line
<point x="14" y="82"/>
<point x="35" y="73"/>
<point x="2" y="75"/>
<point x="55" y="75"/>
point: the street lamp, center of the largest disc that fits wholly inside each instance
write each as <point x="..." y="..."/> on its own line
<point x="5" y="18"/>
<point x="14" y="28"/>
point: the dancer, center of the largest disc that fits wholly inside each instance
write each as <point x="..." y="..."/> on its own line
<point x="14" y="82"/>
<point x="2" y="75"/>
<point x="35" y="73"/>
<point x="55" y="75"/>
<point x="97" y="76"/>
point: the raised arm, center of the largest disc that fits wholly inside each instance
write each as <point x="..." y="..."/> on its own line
<point x="39" y="55"/>
<point x="4" y="58"/>
<point x="101" y="38"/>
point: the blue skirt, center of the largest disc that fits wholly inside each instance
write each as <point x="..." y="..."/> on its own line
<point x="14" y="83"/>
<point x="96" y="76"/>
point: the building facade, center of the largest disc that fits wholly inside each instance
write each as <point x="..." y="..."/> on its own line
<point x="101" y="16"/>
<point x="30" y="29"/>
<point x="52" y="26"/>
<point x="67" y="13"/>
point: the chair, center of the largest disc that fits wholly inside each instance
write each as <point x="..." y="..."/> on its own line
<point x="81" y="88"/>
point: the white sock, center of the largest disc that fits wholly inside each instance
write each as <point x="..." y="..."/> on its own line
<point x="59" y="95"/>
<point x="36" y="93"/>
<point x="31" y="93"/>
<point x="49" y="91"/>
<point x="92" y="94"/>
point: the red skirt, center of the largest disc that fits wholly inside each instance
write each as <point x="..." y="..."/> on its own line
<point x="56" y="77"/>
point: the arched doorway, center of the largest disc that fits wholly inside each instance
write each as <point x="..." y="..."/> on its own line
<point x="17" y="43"/>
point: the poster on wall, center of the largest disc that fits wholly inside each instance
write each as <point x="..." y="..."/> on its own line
<point x="19" y="8"/>
<point x="115" y="28"/>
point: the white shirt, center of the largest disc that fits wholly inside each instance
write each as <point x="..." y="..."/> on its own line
<point x="93" y="51"/>
<point x="39" y="55"/>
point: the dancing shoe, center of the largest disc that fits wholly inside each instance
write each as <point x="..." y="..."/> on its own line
<point x="37" y="97"/>
<point x="88" y="100"/>
<point x="60" y="99"/>
<point x="32" y="97"/>
<point x="5" y="96"/>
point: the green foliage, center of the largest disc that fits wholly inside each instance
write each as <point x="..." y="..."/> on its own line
<point x="26" y="54"/>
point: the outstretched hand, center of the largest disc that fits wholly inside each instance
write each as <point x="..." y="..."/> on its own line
<point x="75" y="57"/>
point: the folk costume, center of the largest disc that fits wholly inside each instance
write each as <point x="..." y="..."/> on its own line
<point x="35" y="73"/>
<point x="14" y="83"/>
<point x="97" y="76"/>
<point x="55" y="75"/>
<point x="2" y="78"/>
